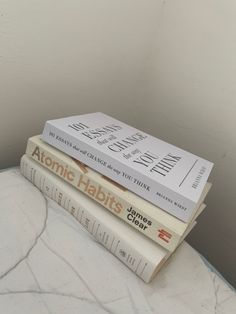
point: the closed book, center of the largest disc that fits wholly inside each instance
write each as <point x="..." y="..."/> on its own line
<point x="141" y="255"/>
<point x="163" y="174"/>
<point x="142" y="215"/>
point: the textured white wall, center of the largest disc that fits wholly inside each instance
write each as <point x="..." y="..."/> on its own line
<point x="68" y="57"/>
<point x="190" y="101"/>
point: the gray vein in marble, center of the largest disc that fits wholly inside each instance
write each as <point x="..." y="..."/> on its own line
<point x="38" y="285"/>
<point x="115" y="300"/>
<point x="31" y="248"/>
<point x="32" y="273"/>
<point x="134" y="302"/>
<point x="40" y="292"/>
<point x="145" y="297"/>
<point x="77" y="275"/>
<point x="131" y="300"/>
<point x="228" y="298"/>
<point x="50" y="293"/>
<point x="216" y="290"/>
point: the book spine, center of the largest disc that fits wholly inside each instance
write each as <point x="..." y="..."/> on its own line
<point x="143" y="185"/>
<point x="150" y="227"/>
<point x="111" y="239"/>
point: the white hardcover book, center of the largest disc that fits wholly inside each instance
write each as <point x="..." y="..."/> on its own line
<point x="136" y="251"/>
<point x="153" y="222"/>
<point x="161" y="173"/>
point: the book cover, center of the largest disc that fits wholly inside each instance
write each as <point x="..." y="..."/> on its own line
<point x="147" y="218"/>
<point x="161" y="173"/>
<point x="136" y="251"/>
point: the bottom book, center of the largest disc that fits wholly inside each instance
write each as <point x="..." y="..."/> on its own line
<point x="143" y="256"/>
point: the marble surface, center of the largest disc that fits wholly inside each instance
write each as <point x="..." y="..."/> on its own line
<point x="49" y="264"/>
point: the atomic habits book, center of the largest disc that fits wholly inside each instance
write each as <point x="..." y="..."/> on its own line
<point x="140" y="214"/>
<point x="161" y="173"/>
<point x="144" y="257"/>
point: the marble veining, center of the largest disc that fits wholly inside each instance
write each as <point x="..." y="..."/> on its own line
<point x="49" y="264"/>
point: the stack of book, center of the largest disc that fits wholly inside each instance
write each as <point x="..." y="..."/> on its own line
<point x="137" y="195"/>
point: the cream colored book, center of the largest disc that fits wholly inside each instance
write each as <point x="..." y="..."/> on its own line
<point x="145" y="217"/>
<point x="144" y="257"/>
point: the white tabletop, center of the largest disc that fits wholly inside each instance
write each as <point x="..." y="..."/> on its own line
<point x="49" y="264"/>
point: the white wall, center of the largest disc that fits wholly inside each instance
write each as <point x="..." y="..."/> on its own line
<point x="190" y="100"/>
<point x="68" y="57"/>
<point x="168" y="67"/>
